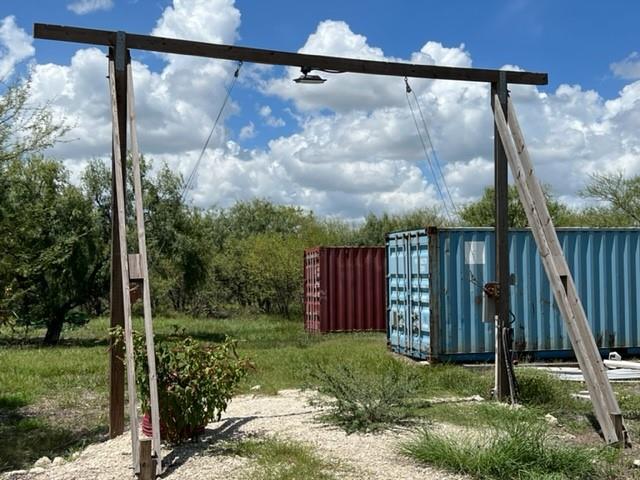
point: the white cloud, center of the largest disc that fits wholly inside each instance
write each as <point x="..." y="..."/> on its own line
<point x="355" y="148"/>
<point x="627" y="68"/>
<point x="270" y="120"/>
<point x="15" y="46"/>
<point x="82" y="7"/>
<point x="175" y="106"/>
<point x="264" y="110"/>
<point x="247" y="131"/>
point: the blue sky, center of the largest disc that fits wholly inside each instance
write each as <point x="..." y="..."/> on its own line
<point x="587" y="47"/>
<point x="575" y="41"/>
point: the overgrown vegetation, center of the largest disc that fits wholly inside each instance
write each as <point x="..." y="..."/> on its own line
<point x="365" y="399"/>
<point x="520" y="450"/>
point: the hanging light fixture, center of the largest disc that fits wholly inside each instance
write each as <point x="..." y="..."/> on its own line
<point x="310" y="79"/>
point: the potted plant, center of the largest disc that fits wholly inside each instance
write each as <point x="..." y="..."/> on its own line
<point x="195" y="383"/>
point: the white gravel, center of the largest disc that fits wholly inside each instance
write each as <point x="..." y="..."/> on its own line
<point x="286" y="416"/>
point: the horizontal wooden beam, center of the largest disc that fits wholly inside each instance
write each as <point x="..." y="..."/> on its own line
<point x="273" y="57"/>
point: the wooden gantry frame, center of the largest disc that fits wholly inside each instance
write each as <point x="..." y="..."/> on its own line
<point x="123" y="264"/>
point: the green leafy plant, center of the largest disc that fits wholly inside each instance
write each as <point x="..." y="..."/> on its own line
<point x="363" y="400"/>
<point x="195" y="382"/>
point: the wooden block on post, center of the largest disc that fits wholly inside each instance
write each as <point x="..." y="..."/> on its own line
<point x="135" y="267"/>
<point x="147" y="461"/>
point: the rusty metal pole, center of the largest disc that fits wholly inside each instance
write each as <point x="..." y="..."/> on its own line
<point x="502" y="389"/>
<point x="116" y="354"/>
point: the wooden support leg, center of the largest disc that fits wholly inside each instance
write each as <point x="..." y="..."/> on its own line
<point x="584" y="346"/>
<point x="147" y="461"/>
<point x="123" y="283"/>
<point x="144" y="274"/>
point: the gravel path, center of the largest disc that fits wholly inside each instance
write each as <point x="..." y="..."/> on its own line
<point x="286" y="416"/>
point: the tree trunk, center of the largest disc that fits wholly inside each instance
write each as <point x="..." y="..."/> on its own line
<point x="54" y="329"/>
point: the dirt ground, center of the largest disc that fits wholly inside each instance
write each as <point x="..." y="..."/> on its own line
<point x="287" y="416"/>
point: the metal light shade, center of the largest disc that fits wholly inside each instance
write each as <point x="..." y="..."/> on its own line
<point x="311" y="79"/>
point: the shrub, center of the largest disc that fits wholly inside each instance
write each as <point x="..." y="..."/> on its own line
<point x="364" y="400"/>
<point x="521" y="450"/>
<point x="195" y="382"/>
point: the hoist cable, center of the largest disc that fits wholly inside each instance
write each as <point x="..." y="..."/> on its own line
<point x="436" y="160"/>
<point x="192" y="176"/>
<point x="426" y="152"/>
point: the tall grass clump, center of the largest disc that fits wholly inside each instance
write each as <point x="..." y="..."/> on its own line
<point x="519" y="451"/>
<point x="541" y="389"/>
<point x="359" y="398"/>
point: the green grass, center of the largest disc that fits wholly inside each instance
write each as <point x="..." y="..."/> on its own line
<point x="280" y="460"/>
<point x="520" y="450"/>
<point x="54" y="400"/>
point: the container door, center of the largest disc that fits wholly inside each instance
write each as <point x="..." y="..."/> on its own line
<point x="312" y="290"/>
<point x="397" y="293"/>
<point x="408" y="293"/>
<point x="418" y="298"/>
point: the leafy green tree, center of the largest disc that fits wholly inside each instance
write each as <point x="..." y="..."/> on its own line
<point x="481" y="213"/>
<point x="50" y="245"/>
<point x="26" y="129"/>
<point x="180" y="243"/>
<point x="274" y="269"/>
<point x="621" y="196"/>
<point x="96" y="184"/>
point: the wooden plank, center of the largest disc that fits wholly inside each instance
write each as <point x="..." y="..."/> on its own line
<point x="273" y="57"/>
<point x="560" y="262"/>
<point x="543" y="247"/>
<point x="144" y="271"/>
<point x="124" y="268"/>
<point x="589" y="360"/>
<point x="147" y="467"/>
<point x="135" y="267"/>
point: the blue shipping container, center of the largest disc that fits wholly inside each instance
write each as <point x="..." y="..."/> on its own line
<point x="434" y="292"/>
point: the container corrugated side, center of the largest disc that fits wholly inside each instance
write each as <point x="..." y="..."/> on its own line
<point x="344" y="289"/>
<point x="605" y="264"/>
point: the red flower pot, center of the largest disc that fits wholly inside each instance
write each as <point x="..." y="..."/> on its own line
<point x="147" y="429"/>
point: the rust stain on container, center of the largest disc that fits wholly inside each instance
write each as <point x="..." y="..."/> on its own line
<point x="344" y="289"/>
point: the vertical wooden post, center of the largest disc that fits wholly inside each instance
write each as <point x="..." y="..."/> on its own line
<point x="502" y="389"/>
<point x="147" y="462"/>
<point x="116" y="355"/>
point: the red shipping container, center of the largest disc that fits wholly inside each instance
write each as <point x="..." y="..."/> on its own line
<point x="344" y="289"/>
